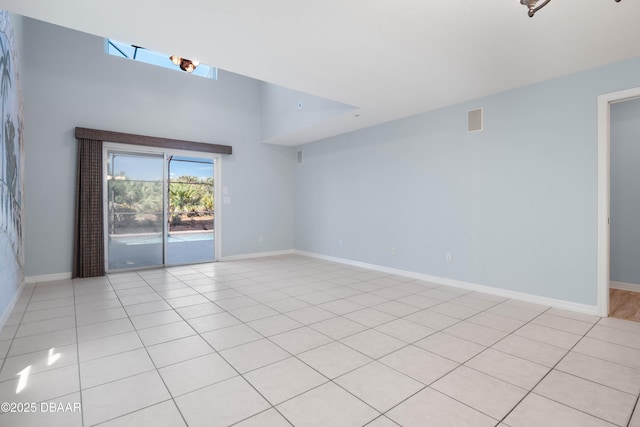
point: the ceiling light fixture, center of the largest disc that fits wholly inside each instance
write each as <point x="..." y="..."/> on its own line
<point x="534" y="7"/>
<point x="184" y="64"/>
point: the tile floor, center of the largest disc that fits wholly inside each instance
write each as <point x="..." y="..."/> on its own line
<point x="297" y="341"/>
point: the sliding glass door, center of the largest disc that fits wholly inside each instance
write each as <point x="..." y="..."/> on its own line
<point x="159" y="208"/>
<point x="191" y="210"/>
<point x="134" y="210"/>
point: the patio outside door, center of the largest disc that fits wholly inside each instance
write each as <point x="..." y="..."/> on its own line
<point x="159" y="209"/>
<point x="191" y="210"/>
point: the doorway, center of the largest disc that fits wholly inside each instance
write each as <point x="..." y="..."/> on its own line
<point x="159" y="207"/>
<point x="624" y="284"/>
<point x="604" y="193"/>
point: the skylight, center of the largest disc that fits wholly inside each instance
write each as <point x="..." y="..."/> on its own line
<point x="137" y="53"/>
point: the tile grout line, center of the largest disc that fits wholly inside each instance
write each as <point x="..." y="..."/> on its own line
<point x="181" y="316"/>
<point x="378" y="361"/>
<point x="463" y="364"/>
<point x="341" y="316"/>
<point x="215" y="352"/>
<point x="291" y="355"/>
<point x="130" y="376"/>
<point x="636" y="408"/>
<point x="334" y="340"/>
<point x="4" y="361"/>
<point x="428" y="386"/>
<point x="369" y="328"/>
<point x="49" y="370"/>
<point x="528" y="391"/>
<point x="75" y="320"/>
<point x="294" y="356"/>
<point x="157" y="371"/>
<point x="502" y="420"/>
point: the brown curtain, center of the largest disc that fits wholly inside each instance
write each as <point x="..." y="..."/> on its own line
<point x="88" y="245"/>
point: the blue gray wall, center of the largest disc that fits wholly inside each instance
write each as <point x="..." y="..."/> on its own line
<point x="625" y="192"/>
<point x="70" y="81"/>
<point x="514" y="204"/>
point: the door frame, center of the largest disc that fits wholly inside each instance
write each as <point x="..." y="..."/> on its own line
<point x="217" y="188"/>
<point x="603" y="268"/>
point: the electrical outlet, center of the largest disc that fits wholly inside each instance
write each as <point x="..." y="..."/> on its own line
<point x="448" y="257"/>
<point x="394" y="250"/>
<point x="340" y="243"/>
<point x="260" y="238"/>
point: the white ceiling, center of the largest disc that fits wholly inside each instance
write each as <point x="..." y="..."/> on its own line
<point x="390" y="58"/>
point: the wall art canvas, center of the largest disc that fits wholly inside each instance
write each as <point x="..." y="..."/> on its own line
<point x="11" y="140"/>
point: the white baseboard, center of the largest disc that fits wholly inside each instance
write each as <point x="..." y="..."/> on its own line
<point x="48" y="278"/>
<point x="633" y="287"/>
<point x="9" y="309"/>
<point x="535" y="299"/>
<point x="256" y="255"/>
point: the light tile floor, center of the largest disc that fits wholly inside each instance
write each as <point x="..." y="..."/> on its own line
<point x="297" y="341"/>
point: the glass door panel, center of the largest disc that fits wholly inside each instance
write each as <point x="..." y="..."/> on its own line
<point x="135" y="217"/>
<point x="190" y="237"/>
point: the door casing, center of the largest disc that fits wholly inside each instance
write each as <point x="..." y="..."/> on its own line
<point x="603" y="269"/>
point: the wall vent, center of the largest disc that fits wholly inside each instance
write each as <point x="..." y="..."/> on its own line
<point x="300" y="156"/>
<point x="474" y="123"/>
